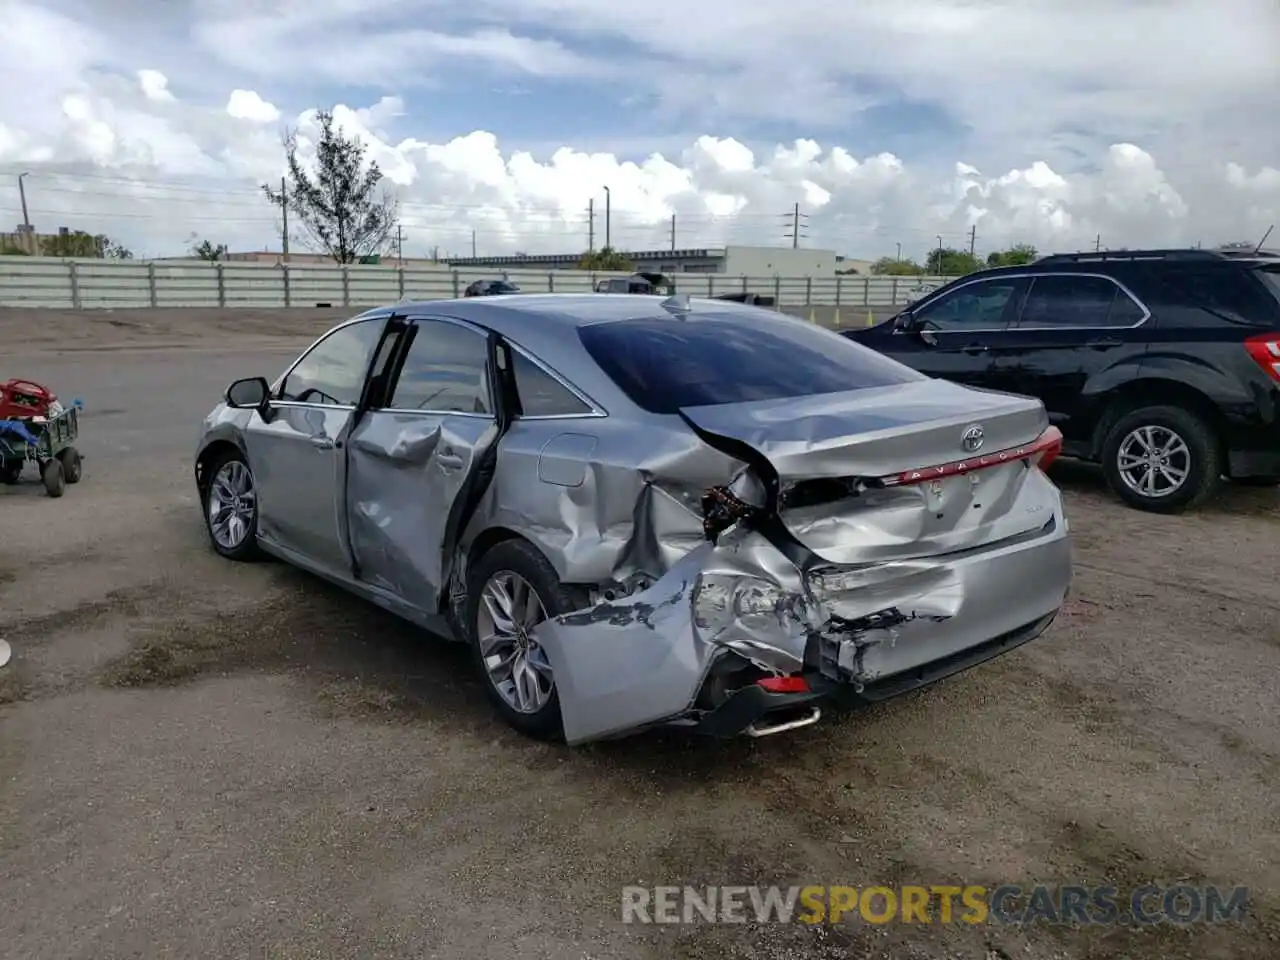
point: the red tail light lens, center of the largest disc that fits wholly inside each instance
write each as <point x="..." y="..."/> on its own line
<point x="791" y="684"/>
<point x="1042" y="451"/>
<point x="1265" y="350"/>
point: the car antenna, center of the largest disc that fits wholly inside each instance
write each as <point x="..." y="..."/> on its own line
<point x="677" y="305"/>
<point x="1258" y="249"/>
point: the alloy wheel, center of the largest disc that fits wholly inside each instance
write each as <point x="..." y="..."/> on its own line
<point x="515" y="664"/>
<point x="232" y="505"/>
<point x="1153" y="461"/>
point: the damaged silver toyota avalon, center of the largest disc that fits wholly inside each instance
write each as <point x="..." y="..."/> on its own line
<point x="643" y="512"/>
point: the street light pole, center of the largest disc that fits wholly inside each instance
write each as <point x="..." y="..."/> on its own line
<point x="899" y="258"/>
<point x="607" y="212"/>
<point x="28" y="238"/>
<point x="940" y="256"/>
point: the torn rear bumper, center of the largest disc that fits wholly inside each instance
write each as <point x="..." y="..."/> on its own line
<point x="754" y="707"/>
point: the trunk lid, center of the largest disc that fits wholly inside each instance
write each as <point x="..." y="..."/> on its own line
<point x="891" y="472"/>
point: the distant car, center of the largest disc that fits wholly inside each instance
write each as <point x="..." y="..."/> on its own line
<point x="651" y="284"/>
<point x="490" y="288"/>
<point x="1162" y="365"/>
<point x="920" y="291"/>
<point x="635" y="515"/>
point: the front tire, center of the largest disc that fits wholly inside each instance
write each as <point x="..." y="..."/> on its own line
<point x="1162" y="459"/>
<point x="231" y="508"/>
<point x="511" y="589"/>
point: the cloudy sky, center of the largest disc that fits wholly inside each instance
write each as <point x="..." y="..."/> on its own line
<point x="889" y="121"/>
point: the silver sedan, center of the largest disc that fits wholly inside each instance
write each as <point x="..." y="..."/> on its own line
<point x="641" y="512"/>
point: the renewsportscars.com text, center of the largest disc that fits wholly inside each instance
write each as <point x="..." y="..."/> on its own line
<point x="925" y="904"/>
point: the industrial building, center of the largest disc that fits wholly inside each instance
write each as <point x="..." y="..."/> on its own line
<point x="735" y="261"/>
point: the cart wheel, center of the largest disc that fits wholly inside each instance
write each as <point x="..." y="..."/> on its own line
<point x="54" y="477"/>
<point x="10" y="473"/>
<point x="70" y="459"/>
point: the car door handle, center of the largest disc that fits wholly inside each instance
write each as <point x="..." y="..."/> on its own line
<point x="450" y="460"/>
<point x="974" y="349"/>
<point x="322" y="443"/>
<point x="1105" y="344"/>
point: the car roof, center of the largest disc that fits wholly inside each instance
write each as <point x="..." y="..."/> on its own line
<point x="546" y="324"/>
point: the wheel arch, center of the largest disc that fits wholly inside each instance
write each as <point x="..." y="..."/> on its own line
<point x="1152" y="392"/>
<point x="212" y="452"/>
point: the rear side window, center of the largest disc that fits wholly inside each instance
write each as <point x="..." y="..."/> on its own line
<point x="541" y="395"/>
<point x="1228" y="292"/>
<point x="445" y="370"/>
<point x="1076" y="301"/>
<point x="665" y="364"/>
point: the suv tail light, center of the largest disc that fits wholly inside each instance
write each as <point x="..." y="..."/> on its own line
<point x="1265" y="350"/>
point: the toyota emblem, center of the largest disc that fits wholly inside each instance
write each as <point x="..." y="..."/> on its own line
<point x="971" y="439"/>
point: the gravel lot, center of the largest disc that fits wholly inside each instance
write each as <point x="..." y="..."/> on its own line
<point x="201" y="759"/>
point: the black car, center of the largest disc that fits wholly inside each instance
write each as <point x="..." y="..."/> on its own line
<point x="490" y="288"/>
<point x="1162" y="365"/>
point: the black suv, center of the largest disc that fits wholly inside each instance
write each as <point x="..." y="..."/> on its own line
<point x="1162" y="365"/>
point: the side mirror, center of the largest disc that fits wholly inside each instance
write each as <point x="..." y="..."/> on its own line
<point x="251" y="393"/>
<point x="903" y="321"/>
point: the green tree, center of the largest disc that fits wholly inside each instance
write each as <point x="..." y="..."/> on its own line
<point x="951" y="263"/>
<point x="207" y="250"/>
<point x="891" y="267"/>
<point x="606" y="258"/>
<point x="78" y="243"/>
<point x="9" y="250"/>
<point x="1016" y="256"/>
<point x="340" y="208"/>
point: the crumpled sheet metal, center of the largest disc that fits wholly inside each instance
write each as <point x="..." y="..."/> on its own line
<point x="627" y="516"/>
<point x="642" y="659"/>
<point x="396" y="481"/>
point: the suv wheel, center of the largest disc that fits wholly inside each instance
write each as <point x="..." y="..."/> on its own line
<point x="1162" y="459"/>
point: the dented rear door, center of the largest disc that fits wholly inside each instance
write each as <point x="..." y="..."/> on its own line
<point x="410" y="462"/>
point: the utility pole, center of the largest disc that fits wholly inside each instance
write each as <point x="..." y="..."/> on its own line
<point x="473" y="244"/>
<point x="400" y="244"/>
<point x="591" y="226"/>
<point x="28" y="235"/>
<point x="973" y="238"/>
<point x="796" y="218"/>
<point x="673" y="233"/>
<point x="284" y="222"/>
<point x="608" y="205"/>
<point x="940" y="273"/>
<point x="1097" y="244"/>
<point x="898" y="259"/>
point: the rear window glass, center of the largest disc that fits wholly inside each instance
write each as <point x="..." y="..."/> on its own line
<point x="1226" y="292"/>
<point x="666" y="364"/>
<point x="1271" y="277"/>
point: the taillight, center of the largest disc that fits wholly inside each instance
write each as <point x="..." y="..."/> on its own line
<point x="792" y="684"/>
<point x="1265" y="350"/>
<point x="1041" y="451"/>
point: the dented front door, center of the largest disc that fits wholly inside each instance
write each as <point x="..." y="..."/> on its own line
<point x="408" y="462"/>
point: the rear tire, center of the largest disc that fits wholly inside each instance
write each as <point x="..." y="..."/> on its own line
<point x="1162" y="459"/>
<point x="54" y="477"/>
<point x="11" y="472"/>
<point x="495" y="570"/>
<point x="71" y="464"/>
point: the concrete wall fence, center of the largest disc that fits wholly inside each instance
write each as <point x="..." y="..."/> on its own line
<point x="132" y="284"/>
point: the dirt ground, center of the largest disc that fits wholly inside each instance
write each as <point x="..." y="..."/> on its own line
<point x="203" y="759"/>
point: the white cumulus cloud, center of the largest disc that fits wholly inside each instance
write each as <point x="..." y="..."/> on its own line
<point x="247" y="105"/>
